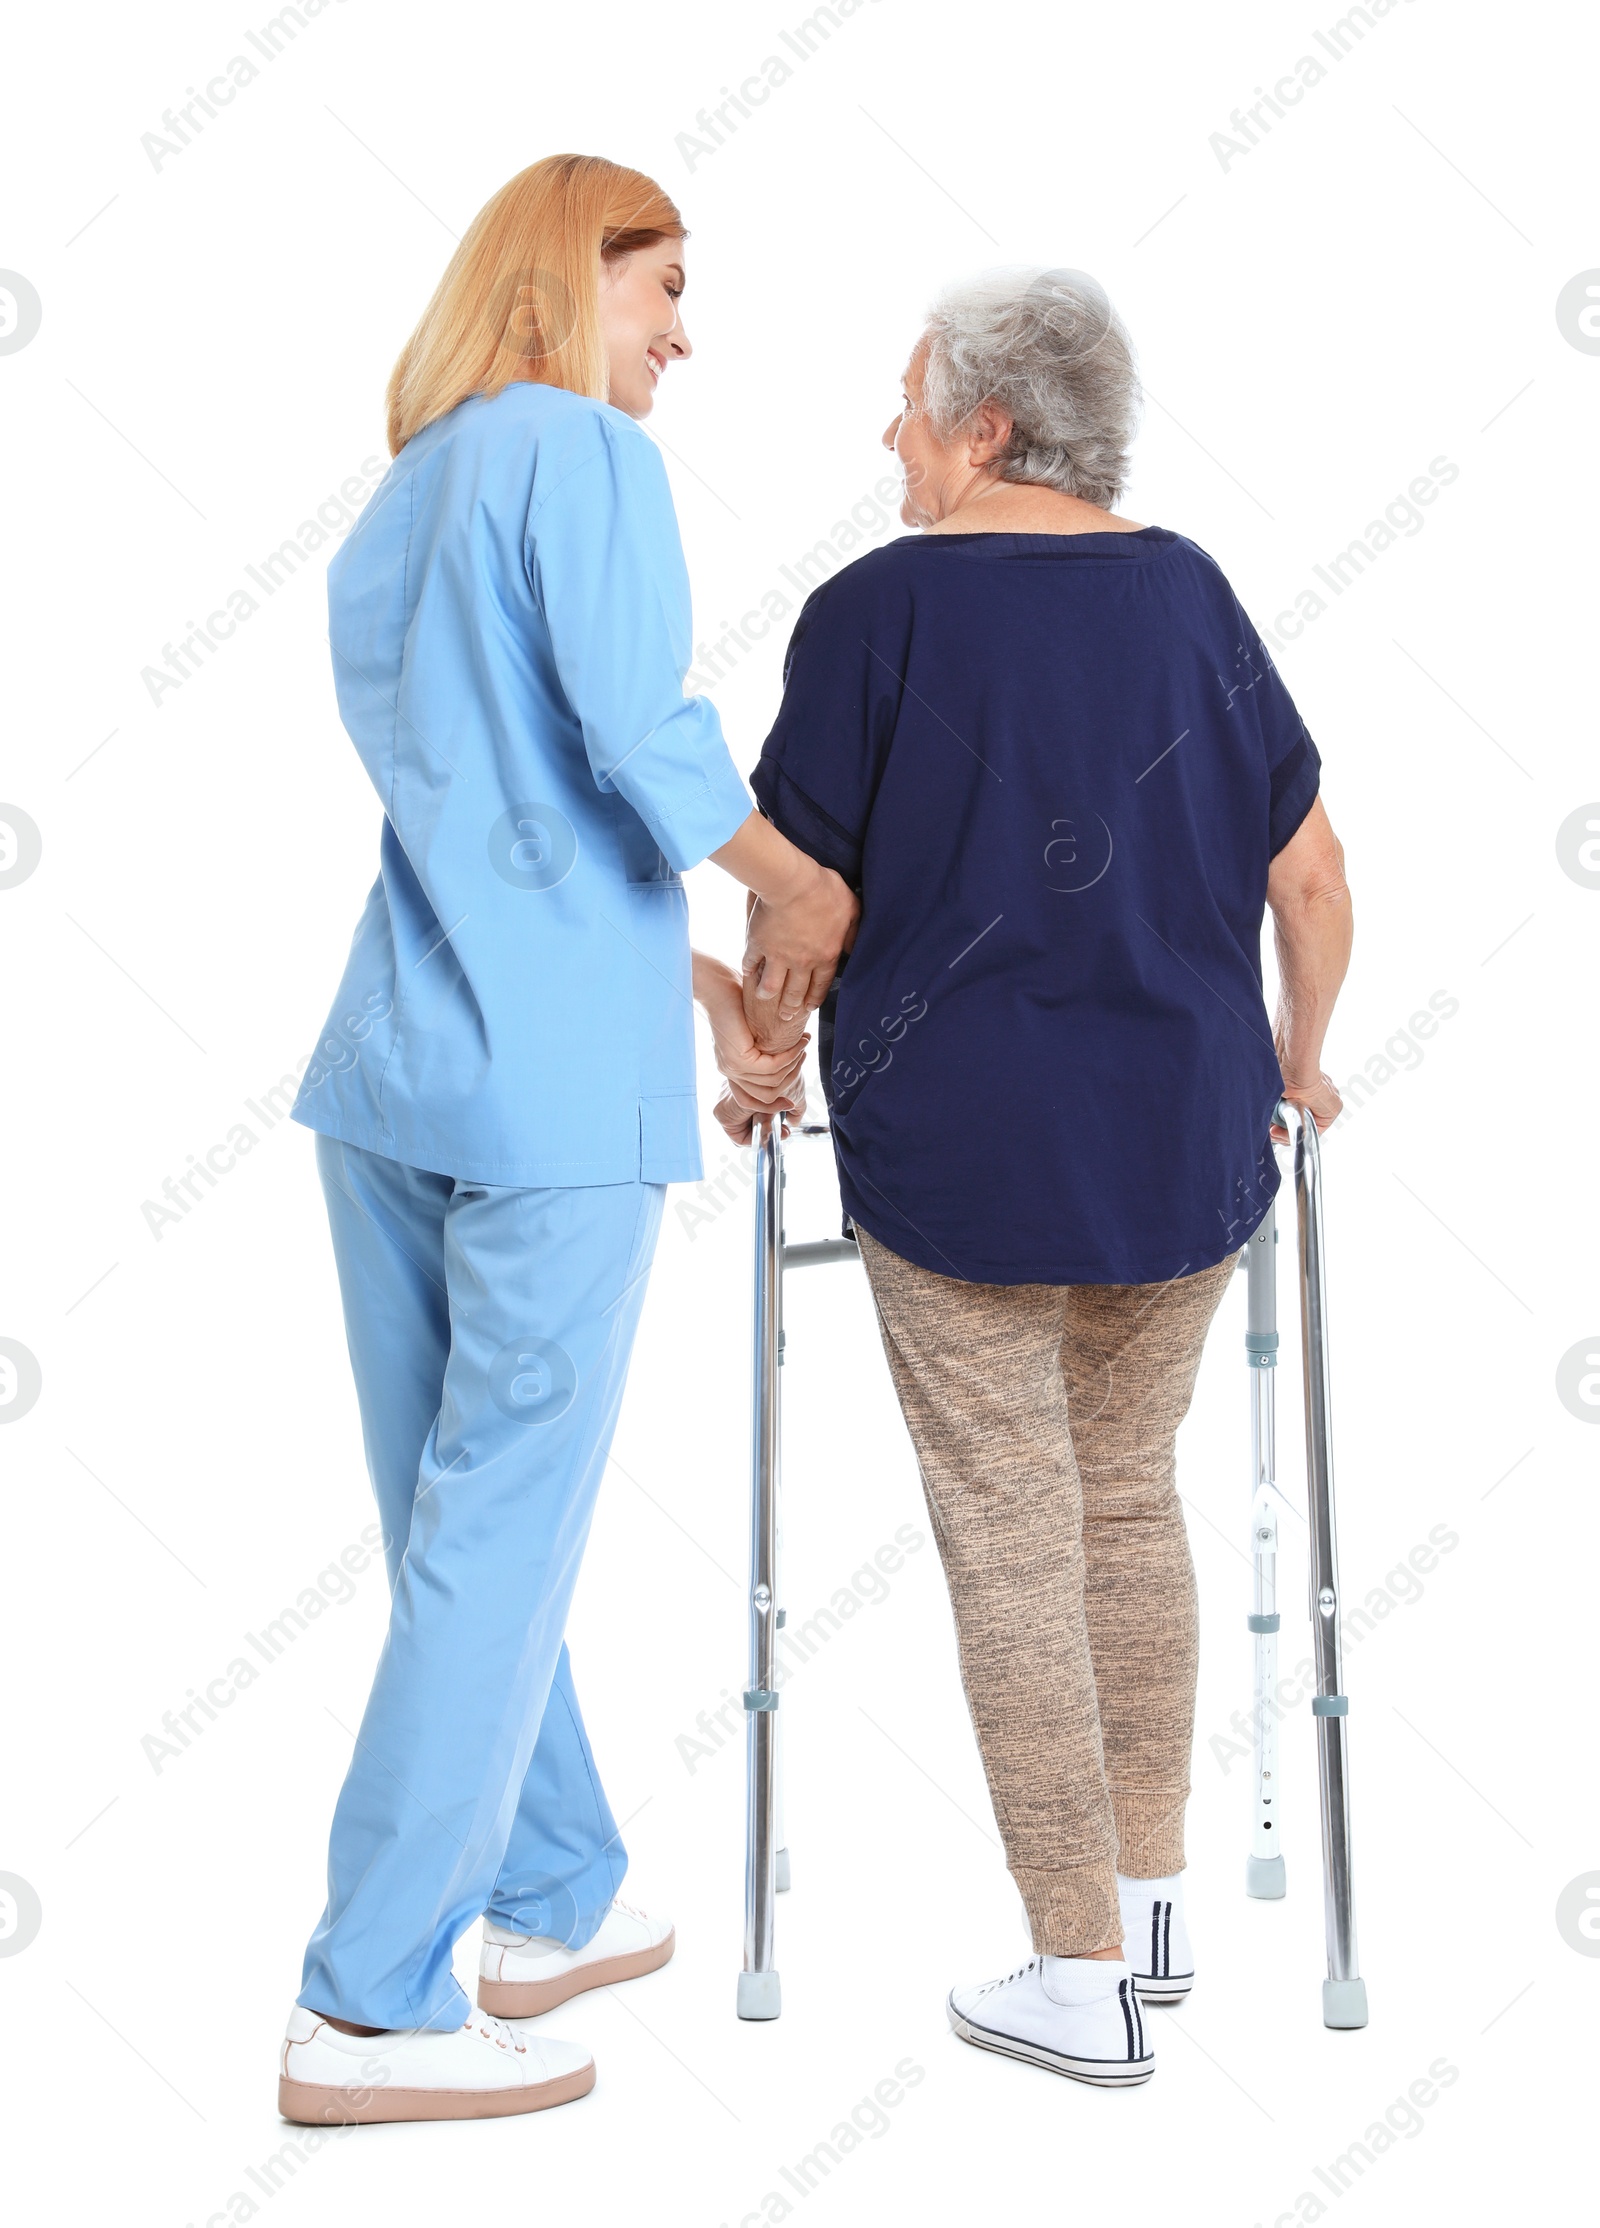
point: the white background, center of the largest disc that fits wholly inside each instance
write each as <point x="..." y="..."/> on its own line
<point x="1371" y="287"/>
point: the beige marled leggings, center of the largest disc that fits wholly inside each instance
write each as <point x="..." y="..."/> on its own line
<point x="1044" y="1418"/>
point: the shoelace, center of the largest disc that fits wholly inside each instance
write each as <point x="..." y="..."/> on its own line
<point x="496" y="2031"/>
<point x="1006" y="1979"/>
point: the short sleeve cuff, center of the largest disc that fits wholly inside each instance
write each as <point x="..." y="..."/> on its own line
<point x="804" y="822"/>
<point x="1295" y="782"/>
<point x="705" y="819"/>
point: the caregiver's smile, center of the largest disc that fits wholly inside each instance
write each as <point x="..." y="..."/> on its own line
<point x="639" y="323"/>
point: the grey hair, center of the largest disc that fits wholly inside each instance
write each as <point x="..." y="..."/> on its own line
<point x="1047" y="346"/>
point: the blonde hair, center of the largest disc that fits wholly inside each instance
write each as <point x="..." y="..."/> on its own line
<point x="520" y="298"/>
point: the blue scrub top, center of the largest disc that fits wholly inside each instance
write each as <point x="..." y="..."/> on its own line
<point x="1056" y="767"/>
<point x="510" y="629"/>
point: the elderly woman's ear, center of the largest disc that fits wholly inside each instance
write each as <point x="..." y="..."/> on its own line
<point x="987" y="434"/>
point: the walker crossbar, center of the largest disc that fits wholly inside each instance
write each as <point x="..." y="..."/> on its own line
<point x="1344" y="1995"/>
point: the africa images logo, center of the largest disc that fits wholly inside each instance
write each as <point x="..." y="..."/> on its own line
<point x="533" y="847"/>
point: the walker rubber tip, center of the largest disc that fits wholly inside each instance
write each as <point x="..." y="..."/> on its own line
<point x="780" y="1871"/>
<point x="760" y="1996"/>
<point x="1344" y="2003"/>
<point x="1265" y="1879"/>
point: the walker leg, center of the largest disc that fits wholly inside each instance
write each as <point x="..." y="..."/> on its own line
<point x="781" y="1836"/>
<point x="780" y="1859"/>
<point x="760" y="1996"/>
<point x="1344" y="1994"/>
<point x="1264" y="1871"/>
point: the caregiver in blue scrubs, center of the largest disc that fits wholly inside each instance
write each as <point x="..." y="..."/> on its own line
<point x="503" y="1090"/>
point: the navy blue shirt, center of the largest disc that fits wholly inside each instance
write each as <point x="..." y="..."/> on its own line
<point x="1056" y="768"/>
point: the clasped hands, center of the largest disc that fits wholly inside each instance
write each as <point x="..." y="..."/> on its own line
<point x="793" y="941"/>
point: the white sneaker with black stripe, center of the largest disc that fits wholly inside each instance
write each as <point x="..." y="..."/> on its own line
<point x="1155" y="1940"/>
<point x="1076" y="2015"/>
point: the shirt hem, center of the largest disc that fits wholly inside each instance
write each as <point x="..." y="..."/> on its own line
<point x="923" y="1253"/>
<point x="540" y="1174"/>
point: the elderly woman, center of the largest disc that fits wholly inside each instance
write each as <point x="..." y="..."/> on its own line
<point x="1052" y="754"/>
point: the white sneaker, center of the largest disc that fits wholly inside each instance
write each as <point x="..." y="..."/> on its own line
<point x="522" y="1975"/>
<point x="1077" y="2015"/>
<point x="481" y="2071"/>
<point x="1155" y="1939"/>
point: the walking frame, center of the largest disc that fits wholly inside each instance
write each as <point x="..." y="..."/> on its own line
<point x="1344" y="1996"/>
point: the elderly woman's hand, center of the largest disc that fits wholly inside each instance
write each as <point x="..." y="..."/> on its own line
<point x="793" y="944"/>
<point x="802" y="917"/>
<point x="1321" y="1100"/>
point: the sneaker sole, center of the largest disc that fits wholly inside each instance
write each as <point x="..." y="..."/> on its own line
<point x="314" y="2104"/>
<point x="1100" y="2073"/>
<point x="1172" y="1988"/>
<point x="527" y="1999"/>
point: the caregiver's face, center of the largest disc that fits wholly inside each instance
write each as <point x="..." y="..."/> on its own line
<point x="928" y="463"/>
<point x="639" y="323"/>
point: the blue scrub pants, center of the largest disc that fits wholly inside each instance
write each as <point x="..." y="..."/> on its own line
<point x="489" y="1331"/>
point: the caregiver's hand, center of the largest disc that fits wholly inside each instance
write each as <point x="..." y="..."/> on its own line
<point x="758" y="1082"/>
<point x="803" y="917"/>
